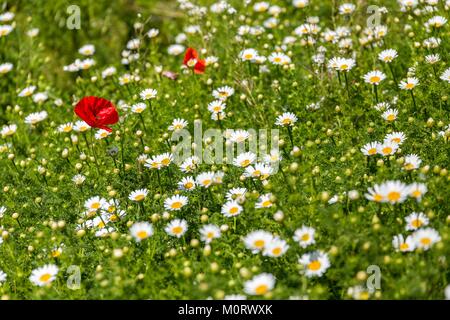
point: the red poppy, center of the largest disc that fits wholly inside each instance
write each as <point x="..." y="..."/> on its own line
<point x="192" y="61"/>
<point x="97" y="112"/>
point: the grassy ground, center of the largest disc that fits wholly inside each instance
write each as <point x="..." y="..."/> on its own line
<point x="323" y="175"/>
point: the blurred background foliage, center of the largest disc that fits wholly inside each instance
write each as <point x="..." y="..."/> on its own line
<point x="106" y="24"/>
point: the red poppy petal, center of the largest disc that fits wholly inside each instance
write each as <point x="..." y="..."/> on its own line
<point x="191" y="53"/>
<point x="107" y="116"/>
<point x="200" y="66"/>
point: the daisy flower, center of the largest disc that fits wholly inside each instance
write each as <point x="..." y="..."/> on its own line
<point x="175" y="49"/>
<point x="390" y="115"/>
<point x="347" y="8"/>
<point x="94" y="203"/>
<point x="412" y="162"/>
<point x="416" y="220"/>
<point x="244" y="159"/>
<point x="108" y="72"/>
<point x="371" y="148"/>
<point x="65" y="128"/>
<point x="259" y="285"/>
<point x="257" y="240"/>
<point x="8" y="130"/>
<point x="141" y="231"/>
<point x="387" y="148"/>
<point x="401" y="244"/>
<point x="259" y="171"/>
<point x="237" y="194"/>
<point x="425" y="238"/>
<point x="223" y="93"/>
<point x="152" y="33"/>
<point x="264" y="201"/>
<point x="78" y="179"/>
<point x="101" y="134"/>
<point x="344" y="64"/>
<point x="5" y="29"/>
<point x="178" y="124"/>
<point x="231" y="209"/>
<point x="417" y="190"/>
<point x="286" y="119"/>
<point x="304" y="236"/>
<point x="44" y="275"/>
<point x="408" y="84"/>
<point x="374" y="77"/>
<point x="148" y="94"/>
<point x="209" y="232"/>
<point x="238" y="136"/>
<point x="446" y="75"/>
<point x="28" y="91"/>
<point x="138" y="195"/>
<point x="175" y="203"/>
<point x="138" y="107"/>
<point x="87" y="50"/>
<point x="436" y="21"/>
<point x="36" y="117"/>
<point x="217" y="106"/>
<point x="187" y="183"/>
<point x="177" y="228"/>
<point x="275" y="248"/>
<point x="387" y="55"/>
<point x="315" y="263"/>
<point x="7" y="16"/>
<point x="5" y="67"/>
<point x="248" y="54"/>
<point x="395" y="137"/>
<point x="278" y="58"/>
<point x="300" y="3"/>
<point x="81" y="126"/>
<point x="205" y="179"/>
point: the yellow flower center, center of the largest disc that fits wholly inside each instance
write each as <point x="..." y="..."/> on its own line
<point x="142" y="234"/>
<point x="375" y="79"/>
<point x="372" y="151"/>
<point x="393" y="196"/>
<point x="259" y="243"/>
<point x="261" y="289"/>
<point x="305" y="237"/>
<point x="210" y="235"/>
<point x="425" y="241"/>
<point x="188" y="185"/>
<point x="387" y="150"/>
<point x="95" y="205"/>
<point x="139" y="197"/>
<point x="248" y="56"/>
<point x="245" y="163"/>
<point x="377" y="198"/>
<point x="234" y="210"/>
<point x="416" y="223"/>
<point x="276" y="251"/>
<point x="166" y="161"/>
<point x="45" y="277"/>
<point x="266" y="203"/>
<point x="409" y="85"/>
<point x="404" y="246"/>
<point x="314" y="265"/>
<point x="416" y="194"/>
<point x="177" y="230"/>
<point x="177" y="205"/>
<point x="390" y="117"/>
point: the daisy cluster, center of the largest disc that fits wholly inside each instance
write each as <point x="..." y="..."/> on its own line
<point x="92" y="128"/>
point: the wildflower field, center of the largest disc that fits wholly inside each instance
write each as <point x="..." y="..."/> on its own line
<point x="230" y="149"/>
